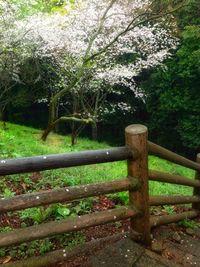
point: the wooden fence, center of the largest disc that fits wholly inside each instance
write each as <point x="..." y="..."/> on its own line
<point x="136" y="182"/>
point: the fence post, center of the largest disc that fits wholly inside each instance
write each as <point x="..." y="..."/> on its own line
<point x="136" y="138"/>
<point x="197" y="189"/>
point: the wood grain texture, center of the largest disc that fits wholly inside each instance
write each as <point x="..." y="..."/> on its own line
<point x="196" y="191"/>
<point x="55" y="161"/>
<point x="36" y="232"/>
<point x="172" y="200"/>
<point x="166" y="219"/>
<point x="65" y="194"/>
<point x="164" y="153"/>
<point x="172" y="179"/>
<point x="136" y="138"/>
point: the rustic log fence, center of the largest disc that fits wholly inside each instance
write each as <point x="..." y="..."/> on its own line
<point x="174" y="179"/>
<point x="136" y="153"/>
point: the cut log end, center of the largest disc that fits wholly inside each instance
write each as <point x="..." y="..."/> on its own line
<point x="136" y="129"/>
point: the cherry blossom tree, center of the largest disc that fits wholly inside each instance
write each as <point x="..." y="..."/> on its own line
<point x="90" y="44"/>
<point x="15" y="48"/>
<point x="96" y="35"/>
<point x="11" y="52"/>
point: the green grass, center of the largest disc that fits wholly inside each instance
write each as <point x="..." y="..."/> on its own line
<point x="20" y="141"/>
<point x="158" y="188"/>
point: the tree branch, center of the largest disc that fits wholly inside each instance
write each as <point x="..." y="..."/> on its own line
<point x="131" y="27"/>
<point x="98" y="31"/>
<point x="64" y="119"/>
<point x="56" y="97"/>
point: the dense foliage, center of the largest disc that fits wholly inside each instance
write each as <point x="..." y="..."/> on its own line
<point x="173" y="98"/>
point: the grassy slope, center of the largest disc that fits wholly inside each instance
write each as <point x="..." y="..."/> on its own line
<point x="18" y="141"/>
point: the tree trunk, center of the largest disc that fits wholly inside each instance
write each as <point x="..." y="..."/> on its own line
<point x="75" y="131"/>
<point x="56" y="114"/>
<point x="94" y="131"/>
<point x="2" y="118"/>
<point x="73" y="138"/>
<point x="73" y="135"/>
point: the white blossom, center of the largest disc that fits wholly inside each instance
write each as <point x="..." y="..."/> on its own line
<point x="67" y="38"/>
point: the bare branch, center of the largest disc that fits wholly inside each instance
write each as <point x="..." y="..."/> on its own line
<point x="52" y="126"/>
<point x="131" y="27"/>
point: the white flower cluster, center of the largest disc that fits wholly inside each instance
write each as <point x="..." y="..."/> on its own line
<point x="42" y="100"/>
<point x="101" y="32"/>
<point x="111" y="109"/>
<point x="71" y="33"/>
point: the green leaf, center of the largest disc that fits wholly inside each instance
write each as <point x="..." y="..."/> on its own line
<point x="63" y="211"/>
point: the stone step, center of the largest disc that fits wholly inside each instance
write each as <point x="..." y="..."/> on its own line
<point x="127" y="253"/>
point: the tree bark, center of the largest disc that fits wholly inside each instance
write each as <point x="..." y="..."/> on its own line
<point x="51" y="126"/>
<point x="94" y="131"/>
<point x="73" y="135"/>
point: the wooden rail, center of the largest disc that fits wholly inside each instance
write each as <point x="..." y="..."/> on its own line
<point x="166" y="219"/>
<point x="196" y="190"/>
<point x="48" y="162"/>
<point x="67" y="194"/>
<point x="68" y="225"/>
<point x="172" y="179"/>
<point x="171" y="156"/>
<point x="136" y="183"/>
<point x="172" y="200"/>
<point x="57" y="256"/>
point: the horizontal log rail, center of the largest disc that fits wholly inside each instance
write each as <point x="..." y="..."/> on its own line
<point x="172" y="179"/>
<point x="172" y="200"/>
<point x="57" y="256"/>
<point x="48" y="162"/>
<point x="68" y="225"/>
<point x="171" y="156"/>
<point x="166" y="219"/>
<point x="66" y="194"/>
